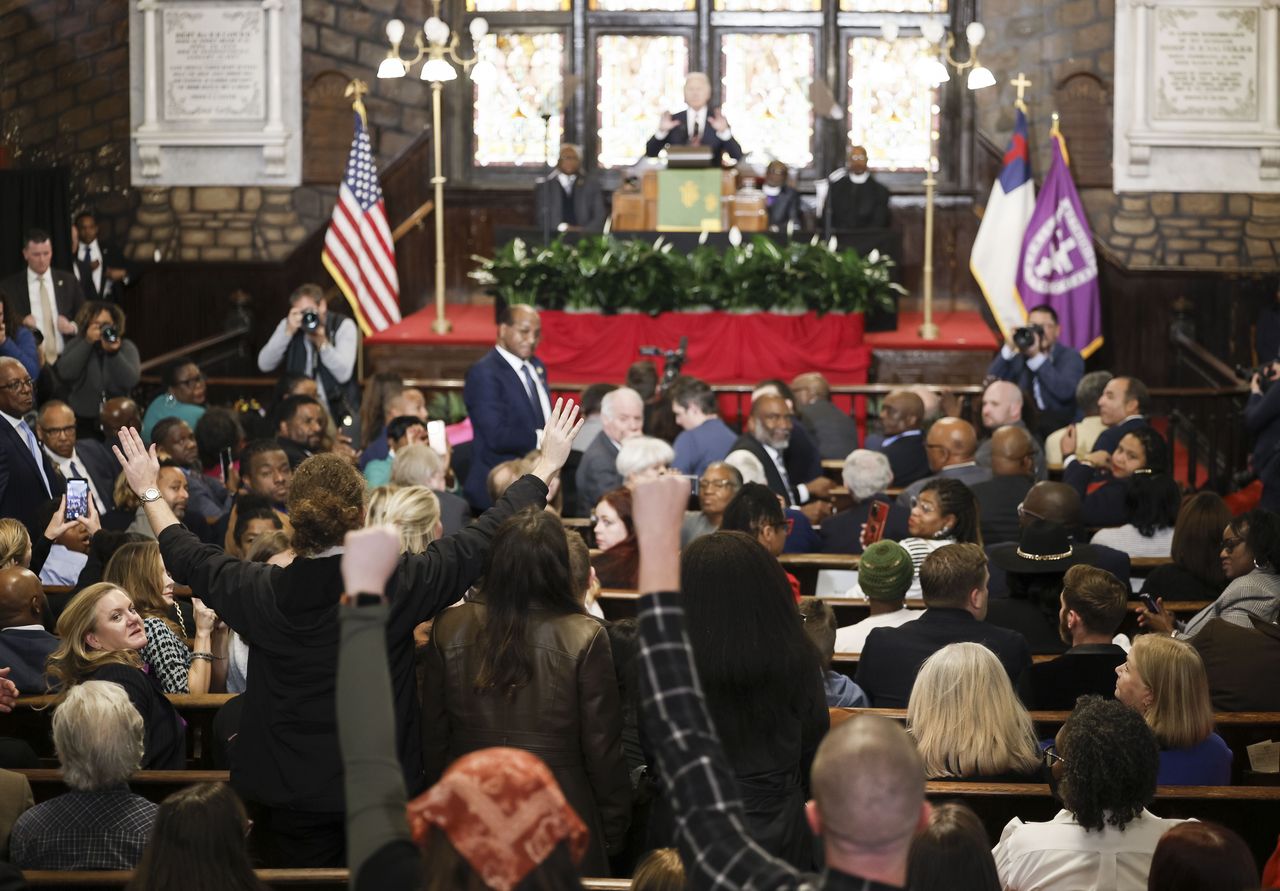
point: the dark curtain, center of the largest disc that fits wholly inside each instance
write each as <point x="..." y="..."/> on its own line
<point x="34" y="199"/>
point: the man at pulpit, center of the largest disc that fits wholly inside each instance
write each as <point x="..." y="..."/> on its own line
<point x="855" y="200"/>
<point x="698" y="124"/>
<point x="567" y="198"/>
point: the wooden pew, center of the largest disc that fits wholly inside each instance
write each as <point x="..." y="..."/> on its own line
<point x="295" y="879"/>
<point x="153" y="785"/>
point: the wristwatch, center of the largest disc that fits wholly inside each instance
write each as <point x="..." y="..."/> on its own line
<point x="151" y="494"/>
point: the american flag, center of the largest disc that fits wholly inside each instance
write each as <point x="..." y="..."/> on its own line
<point x="358" y="251"/>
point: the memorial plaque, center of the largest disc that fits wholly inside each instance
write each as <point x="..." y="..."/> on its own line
<point x="1205" y="63"/>
<point x="1084" y="105"/>
<point x="214" y="64"/>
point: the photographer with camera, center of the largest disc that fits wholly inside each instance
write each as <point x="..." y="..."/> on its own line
<point x="321" y="344"/>
<point x="1040" y="365"/>
<point x="1262" y="420"/>
<point x="97" y="364"/>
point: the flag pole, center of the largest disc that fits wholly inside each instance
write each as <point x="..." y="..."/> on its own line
<point x="356" y="90"/>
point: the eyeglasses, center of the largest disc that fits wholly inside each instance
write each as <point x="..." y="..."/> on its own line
<point x="926" y="507"/>
<point x="1023" y="513"/>
<point x="21" y="384"/>
<point x="715" y="484"/>
<point x="1052" y="757"/>
<point x="191" y="381"/>
<point x="58" y="431"/>
<point x="1230" y="544"/>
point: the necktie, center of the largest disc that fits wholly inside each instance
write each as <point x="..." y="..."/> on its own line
<point x="86" y="275"/>
<point x="48" y="324"/>
<point x="34" y="448"/>
<point x="538" y="416"/>
<point x="697" y="134"/>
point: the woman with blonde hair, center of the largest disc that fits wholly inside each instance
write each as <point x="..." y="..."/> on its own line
<point x="968" y="723"/>
<point x="181" y="667"/>
<point x="415" y="512"/>
<point x="1164" y="681"/>
<point x="15" y="544"/>
<point x="102" y="636"/>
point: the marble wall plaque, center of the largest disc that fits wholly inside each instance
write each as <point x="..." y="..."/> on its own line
<point x="1206" y="64"/>
<point x="214" y="65"/>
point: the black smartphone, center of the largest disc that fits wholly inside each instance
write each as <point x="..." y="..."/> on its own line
<point x="1149" y="602"/>
<point x="77" y="498"/>
<point x="224" y="462"/>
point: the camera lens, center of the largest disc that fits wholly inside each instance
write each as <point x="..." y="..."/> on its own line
<point x="110" y="334"/>
<point x="310" y="320"/>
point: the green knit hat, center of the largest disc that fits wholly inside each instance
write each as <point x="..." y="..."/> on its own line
<point x="885" y="571"/>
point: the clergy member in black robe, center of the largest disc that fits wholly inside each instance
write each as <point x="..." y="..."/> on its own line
<point x="855" y="200"/>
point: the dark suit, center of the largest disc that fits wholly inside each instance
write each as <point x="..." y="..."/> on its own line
<point x="597" y="472"/>
<point x="1058" y="378"/>
<point x="834" y="431"/>
<point x="1080" y="671"/>
<point x="22" y="491"/>
<point x="998" y="499"/>
<point x="1101" y="556"/>
<point x="94" y="461"/>
<point x="67" y="295"/>
<point x="907" y="458"/>
<point x="502" y="417"/>
<point x="800" y="459"/>
<point x="891" y="657"/>
<point x="587" y="202"/>
<point x="112" y="258"/>
<point x="851" y="205"/>
<point x="679" y="135"/>
<point x="1024" y="617"/>
<point x="1110" y="438"/>
<point x="1242" y="664"/>
<point x="841" y="533"/>
<point x="1105" y="505"/>
<point x="454" y="512"/>
<point x="968" y="473"/>
<point x="25" y="651"/>
<point x="784" y="208"/>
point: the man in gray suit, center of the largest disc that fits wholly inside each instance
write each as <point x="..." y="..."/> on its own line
<point x="46" y="300"/>
<point x="950" y="446"/>
<point x="835" y="432"/>
<point x="622" y="417"/>
<point x="567" y="198"/>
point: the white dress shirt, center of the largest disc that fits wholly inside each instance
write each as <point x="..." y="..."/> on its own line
<point x="95" y="255"/>
<point x="37" y="305"/>
<point x="517" y="364"/>
<point x="63" y="466"/>
<point x="566" y="182"/>
<point x="20" y="427"/>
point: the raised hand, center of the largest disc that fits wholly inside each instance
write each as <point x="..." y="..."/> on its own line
<point x="717" y="123"/>
<point x="667" y="124"/>
<point x="557" y="438"/>
<point x="657" y="509"/>
<point x="141" y="466"/>
<point x="369" y="558"/>
<point x="205" y="617"/>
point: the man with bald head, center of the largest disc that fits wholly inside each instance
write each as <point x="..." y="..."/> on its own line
<point x="1058" y="503"/>
<point x="699" y="124"/>
<point x="951" y="446"/>
<point x="567" y="198"/>
<point x="1011" y="454"/>
<point x="24" y="642"/>
<point x="507" y="397"/>
<point x="27" y="477"/>
<point x="1002" y="406"/>
<point x="835" y="432"/>
<point x="790" y="474"/>
<point x="901" y="417"/>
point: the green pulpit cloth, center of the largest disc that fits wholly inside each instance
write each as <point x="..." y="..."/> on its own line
<point x="689" y="200"/>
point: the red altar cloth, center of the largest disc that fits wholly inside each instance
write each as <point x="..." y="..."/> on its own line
<point x="724" y="347"/>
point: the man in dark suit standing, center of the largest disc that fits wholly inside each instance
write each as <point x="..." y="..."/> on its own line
<point x="953" y="580"/>
<point x="27" y="478"/>
<point x="1045" y="368"/>
<point x="901" y="415"/>
<point x="782" y="201"/>
<point x="45" y="299"/>
<point x="698" y="124"/>
<point x="100" y="268"/>
<point x="507" y="399"/>
<point x="855" y="199"/>
<point x="567" y="198"/>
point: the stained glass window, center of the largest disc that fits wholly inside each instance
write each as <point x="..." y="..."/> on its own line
<point x="642" y="5"/>
<point x="523" y="86"/>
<point x="768" y="6"/>
<point x="893" y="5"/>
<point x="639" y="79"/>
<point x="518" y="5"/>
<point x="766" y="95"/>
<point x="892" y="110"/>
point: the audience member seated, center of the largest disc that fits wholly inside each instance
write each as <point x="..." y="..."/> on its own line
<point x="316" y="341"/>
<point x="265" y="471"/>
<point x="1202" y="856"/>
<point x="408" y="402"/>
<point x="184" y="397"/>
<point x="401" y="431"/>
<point x="71" y="457"/>
<point x="99" y="823"/>
<point x="660" y="870"/>
<point x="198" y="840"/>
<point x="567" y="198"/>
<point x="968" y="723"/>
<point x="97" y="364"/>
<point x="1250" y="558"/>
<point x="378" y="390"/>
<point x="287" y="763"/>
<point x="68" y="555"/>
<point x="1164" y="681"/>
<point x="1151" y="506"/>
<point x="1142" y="452"/>
<point x="1047" y="369"/>
<point x="255" y="517"/>
<point x="1234" y="659"/>
<point x="1002" y="407"/>
<point x="180" y="668"/>
<point x="885" y="573"/>
<point x="415" y="514"/>
<point x="1034" y="571"/>
<point x="704" y="437"/>
<point x="616" y="539"/>
<point x="45" y="299"/>
<point x="943" y="513"/>
<point x="757" y="511"/>
<point x="421" y="465"/>
<point x="1058" y="503"/>
<point x="24" y="642"/>
<point x="866" y="475"/>
<point x="954" y="583"/>
<point x="835" y="432"/>
<point x="801" y="537"/>
<point x="757" y="669"/>
<point x="208" y="500"/>
<point x="18" y="549"/>
<point x="219" y="438"/>
<point x="1087" y="429"/>
<point x="717" y="485"/>
<point x="820" y="624"/>
<point x="582" y="576"/>
<point x="1009" y="455"/>
<point x="590" y="405"/>
<point x="1104" y="763"/>
<point x="1196" y="572"/>
<point x="1093" y="606"/>
<point x="901" y="419"/>
<point x="172" y="488"/>
<point x="17" y="341"/>
<point x="300" y="423"/>
<point x="643" y="458"/>
<point x="1123" y="408"/>
<point x="102" y="636"/>
<point x="950" y="444"/>
<point x="622" y="417"/>
<point x="793" y="474"/>
<point x="521" y="664"/>
<point x="115" y="415"/>
<point x="953" y="851"/>
<point x="29" y="479"/>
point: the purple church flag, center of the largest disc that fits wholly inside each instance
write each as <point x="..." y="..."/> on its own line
<point x="1058" y="266"/>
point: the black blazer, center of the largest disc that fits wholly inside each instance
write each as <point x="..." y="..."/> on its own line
<point x="588" y="204"/>
<point x="841" y="533"/>
<point x="679" y="135"/>
<point x="851" y="205"/>
<point x="102" y="467"/>
<point x="891" y="657"/>
<point x="67" y="295"/>
<point x="1109" y="438"/>
<point x="907" y="459"/>
<point x="1080" y="671"/>
<point x="1104" y="506"/>
<point x="1024" y="617"/>
<point x="784" y="209"/>
<point x="22" y="491"/>
<point x="998" y="499"/>
<point x="112" y="258"/>
<point x="800" y="458"/>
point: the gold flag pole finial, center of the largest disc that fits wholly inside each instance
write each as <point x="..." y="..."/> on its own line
<point x="1023" y="85"/>
<point x="357" y="88"/>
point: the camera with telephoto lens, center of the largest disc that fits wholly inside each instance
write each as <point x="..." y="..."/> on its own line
<point x="1245" y="373"/>
<point x="1027" y="336"/>
<point x="310" y="320"/>
<point x="110" y="334"/>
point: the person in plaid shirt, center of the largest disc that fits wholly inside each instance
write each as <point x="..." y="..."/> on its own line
<point x="868" y="780"/>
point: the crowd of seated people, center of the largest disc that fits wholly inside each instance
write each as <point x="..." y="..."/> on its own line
<point x="223" y="553"/>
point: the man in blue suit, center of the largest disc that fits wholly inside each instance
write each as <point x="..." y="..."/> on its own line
<point x="27" y="478"/>
<point x="507" y="399"/>
<point x="698" y="124"/>
<point x="1046" y="369"/>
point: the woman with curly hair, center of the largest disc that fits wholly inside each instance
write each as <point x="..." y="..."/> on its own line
<point x="1103" y="767"/>
<point x="288" y="766"/>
